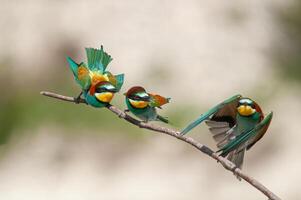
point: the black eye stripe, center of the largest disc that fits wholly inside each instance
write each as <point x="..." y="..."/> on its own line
<point x="133" y="97"/>
<point x="247" y="104"/>
<point x="99" y="90"/>
<point x="138" y="98"/>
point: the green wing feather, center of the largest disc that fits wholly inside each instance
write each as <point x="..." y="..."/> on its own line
<point x="94" y="59"/>
<point x="261" y="132"/>
<point x="98" y="60"/>
<point x="210" y="112"/>
<point x="73" y="66"/>
<point x="120" y="80"/>
<point x="244" y="137"/>
<point x="83" y="79"/>
<point x="83" y="76"/>
<point x="106" y="58"/>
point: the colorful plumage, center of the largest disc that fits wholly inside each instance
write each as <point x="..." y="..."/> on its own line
<point x="143" y="104"/>
<point x="93" y="77"/>
<point x="236" y="125"/>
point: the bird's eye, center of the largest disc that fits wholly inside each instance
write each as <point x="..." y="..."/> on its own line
<point x="100" y="90"/>
<point x="134" y="97"/>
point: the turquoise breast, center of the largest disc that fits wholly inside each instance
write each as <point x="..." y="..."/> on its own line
<point x="246" y="123"/>
<point x="91" y="100"/>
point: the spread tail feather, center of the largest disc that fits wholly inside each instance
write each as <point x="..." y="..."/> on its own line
<point x="98" y="59"/>
<point x="237" y="158"/>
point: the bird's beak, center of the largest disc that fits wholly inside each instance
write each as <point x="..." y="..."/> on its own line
<point x="124" y="94"/>
<point x="113" y="90"/>
<point x="147" y="99"/>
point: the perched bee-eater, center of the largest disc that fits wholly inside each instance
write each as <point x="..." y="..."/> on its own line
<point x="98" y="85"/>
<point x="236" y="125"/>
<point x="143" y="104"/>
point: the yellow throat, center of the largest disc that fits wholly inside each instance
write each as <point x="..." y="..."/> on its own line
<point x="138" y="104"/>
<point x="245" y="110"/>
<point x="104" y="96"/>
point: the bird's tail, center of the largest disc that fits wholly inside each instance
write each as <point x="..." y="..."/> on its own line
<point x="162" y="119"/>
<point x="237" y="158"/>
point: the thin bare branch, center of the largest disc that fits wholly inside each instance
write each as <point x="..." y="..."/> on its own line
<point x="228" y="165"/>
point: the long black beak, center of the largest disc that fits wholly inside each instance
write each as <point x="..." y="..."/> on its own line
<point x="114" y="90"/>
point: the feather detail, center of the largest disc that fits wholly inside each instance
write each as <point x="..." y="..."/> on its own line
<point x="120" y="79"/>
<point x="157" y="100"/>
<point x="105" y="58"/>
<point x="223" y="137"/>
<point x="215" y="110"/>
<point x="237" y="157"/>
<point x="244" y="137"/>
<point x="216" y="124"/>
<point x="97" y="78"/>
<point x="94" y="59"/>
<point x="73" y="66"/>
<point x="262" y="131"/>
<point x="218" y="130"/>
<point x="81" y="73"/>
<point x="111" y="78"/>
<point x="258" y="109"/>
<point x="98" y="60"/>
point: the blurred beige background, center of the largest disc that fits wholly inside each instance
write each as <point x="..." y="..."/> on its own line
<point x="197" y="52"/>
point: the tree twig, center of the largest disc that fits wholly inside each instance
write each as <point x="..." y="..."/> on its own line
<point x="228" y="165"/>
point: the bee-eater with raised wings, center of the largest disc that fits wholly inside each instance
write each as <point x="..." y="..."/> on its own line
<point x="98" y="85"/>
<point x="143" y="104"/>
<point x="236" y="125"/>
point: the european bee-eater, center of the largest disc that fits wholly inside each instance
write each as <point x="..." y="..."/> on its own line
<point x="236" y="124"/>
<point x="143" y="104"/>
<point x="94" y="77"/>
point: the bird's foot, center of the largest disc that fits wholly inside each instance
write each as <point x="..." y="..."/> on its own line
<point x="78" y="98"/>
